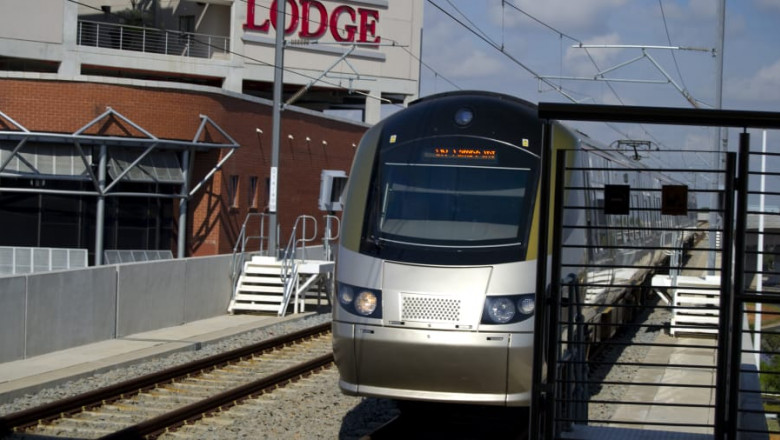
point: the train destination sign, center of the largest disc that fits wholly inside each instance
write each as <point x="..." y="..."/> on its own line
<point x="310" y="19"/>
<point x="476" y="153"/>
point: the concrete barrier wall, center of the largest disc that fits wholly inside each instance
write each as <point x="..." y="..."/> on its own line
<point x="208" y="287"/>
<point x="45" y="312"/>
<point x="13" y="295"/>
<point x="150" y="296"/>
<point x="69" y="308"/>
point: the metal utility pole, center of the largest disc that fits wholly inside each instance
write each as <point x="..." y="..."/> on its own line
<point x="276" y="127"/>
<point x="721" y="138"/>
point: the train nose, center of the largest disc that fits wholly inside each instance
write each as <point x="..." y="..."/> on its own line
<point x="446" y="298"/>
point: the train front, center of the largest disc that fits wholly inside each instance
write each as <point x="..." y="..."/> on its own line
<point x="436" y="268"/>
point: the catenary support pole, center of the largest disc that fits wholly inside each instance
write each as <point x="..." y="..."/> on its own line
<point x="276" y="128"/>
<point x="100" y="210"/>
<point x="185" y="188"/>
<point x="721" y="133"/>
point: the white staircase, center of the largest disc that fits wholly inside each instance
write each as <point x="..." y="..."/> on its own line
<point x="696" y="302"/>
<point x="262" y="288"/>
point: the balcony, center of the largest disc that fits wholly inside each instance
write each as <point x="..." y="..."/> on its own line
<point x="150" y="40"/>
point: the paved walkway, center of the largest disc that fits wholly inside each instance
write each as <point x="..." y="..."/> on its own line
<point x="649" y="412"/>
<point x="30" y="375"/>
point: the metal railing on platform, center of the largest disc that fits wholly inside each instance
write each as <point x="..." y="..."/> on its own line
<point x="118" y="256"/>
<point x="756" y="398"/>
<point x="615" y="356"/>
<point x="289" y="272"/>
<point x="679" y="387"/>
<point x="150" y="40"/>
<point x="24" y="260"/>
<point x="240" y="249"/>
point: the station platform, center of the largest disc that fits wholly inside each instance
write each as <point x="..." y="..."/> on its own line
<point x="25" y="376"/>
<point x="689" y="412"/>
<point x="635" y="420"/>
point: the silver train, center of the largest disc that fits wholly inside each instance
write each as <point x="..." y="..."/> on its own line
<point x="436" y="266"/>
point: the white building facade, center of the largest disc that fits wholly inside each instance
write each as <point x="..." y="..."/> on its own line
<point x="339" y="55"/>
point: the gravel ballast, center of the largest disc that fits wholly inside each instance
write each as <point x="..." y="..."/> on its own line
<point x="323" y="412"/>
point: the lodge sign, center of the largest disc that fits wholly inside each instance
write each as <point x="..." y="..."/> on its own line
<point x="310" y="19"/>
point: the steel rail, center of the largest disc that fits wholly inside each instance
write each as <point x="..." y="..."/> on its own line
<point x="159" y="424"/>
<point x="54" y="410"/>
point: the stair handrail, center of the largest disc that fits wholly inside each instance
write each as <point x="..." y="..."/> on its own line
<point x="327" y="237"/>
<point x="237" y="264"/>
<point x="289" y="270"/>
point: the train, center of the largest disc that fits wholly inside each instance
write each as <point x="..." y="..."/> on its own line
<point x="435" y="280"/>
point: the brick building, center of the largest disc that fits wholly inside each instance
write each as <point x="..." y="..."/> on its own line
<point x="119" y="137"/>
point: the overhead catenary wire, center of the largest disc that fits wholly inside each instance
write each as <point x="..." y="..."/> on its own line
<point x="595" y="64"/>
<point x="497" y="47"/>
<point x="669" y="39"/>
<point x="557" y="87"/>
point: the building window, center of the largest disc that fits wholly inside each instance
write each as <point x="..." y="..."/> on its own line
<point x="233" y="191"/>
<point x="252" y="192"/>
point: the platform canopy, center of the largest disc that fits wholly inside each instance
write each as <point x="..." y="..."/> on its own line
<point x="107" y="151"/>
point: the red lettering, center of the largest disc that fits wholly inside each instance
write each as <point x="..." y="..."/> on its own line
<point x="368" y="27"/>
<point x="250" y="18"/>
<point x="344" y="22"/>
<point x="334" y="24"/>
<point x="306" y="19"/>
<point x="291" y="11"/>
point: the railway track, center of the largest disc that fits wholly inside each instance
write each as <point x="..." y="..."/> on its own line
<point x="149" y="405"/>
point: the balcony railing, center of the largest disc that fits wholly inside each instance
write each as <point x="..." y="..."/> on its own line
<point x="150" y="40"/>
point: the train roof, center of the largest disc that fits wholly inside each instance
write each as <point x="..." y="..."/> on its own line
<point x="485" y="93"/>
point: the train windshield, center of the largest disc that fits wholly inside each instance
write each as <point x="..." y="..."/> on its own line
<point x="459" y="203"/>
<point x="451" y="205"/>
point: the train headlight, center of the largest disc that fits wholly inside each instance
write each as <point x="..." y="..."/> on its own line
<point x="360" y="301"/>
<point x="500" y="310"/>
<point x="365" y="303"/>
<point x="508" y="309"/>
<point x="526" y="305"/>
<point x="346" y="294"/>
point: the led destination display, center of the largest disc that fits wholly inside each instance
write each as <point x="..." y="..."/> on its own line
<point x="475" y="153"/>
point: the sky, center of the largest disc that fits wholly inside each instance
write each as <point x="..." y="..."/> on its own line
<point x="538" y="38"/>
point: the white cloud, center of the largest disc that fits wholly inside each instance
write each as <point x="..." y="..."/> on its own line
<point x="764" y="86"/>
<point x="695" y="10"/>
<point x="475" y="63"/>
<point x="578" y="61"/>
<point x="457" y="54"/>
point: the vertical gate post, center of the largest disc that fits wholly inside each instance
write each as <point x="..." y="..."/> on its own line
<point x="723" y="406"/>
<point x="553" y="335"/>
<point x="737" y="306"/>
<point x="540" y="393"/>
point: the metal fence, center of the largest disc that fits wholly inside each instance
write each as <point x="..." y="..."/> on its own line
<point x="757" y="289"/>
<point x="150" y="40"/>
<point x="637" y="315"/>
<point x="24" y="260"/>
<point x="691" y="350"/>
<point x="118" y="256"/>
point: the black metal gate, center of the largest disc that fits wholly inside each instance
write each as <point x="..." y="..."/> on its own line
<point x="696" y="370"/>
